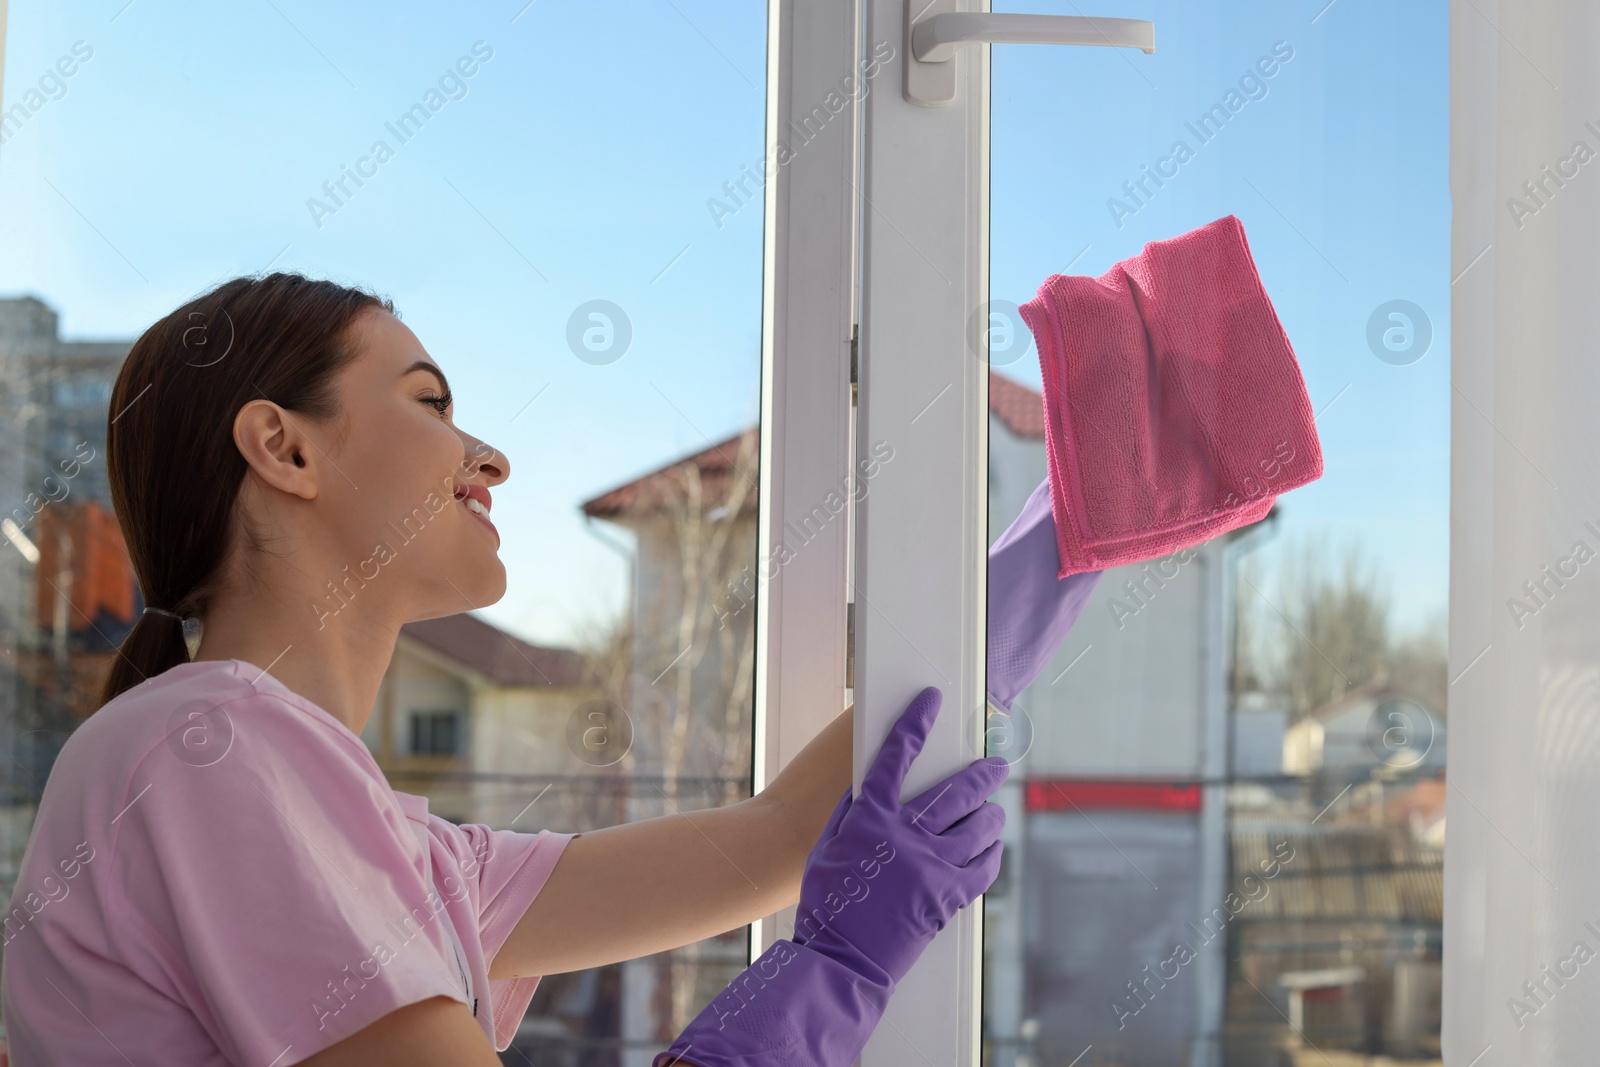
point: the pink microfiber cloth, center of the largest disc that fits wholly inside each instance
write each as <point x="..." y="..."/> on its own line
<point x="1174" y="407"/>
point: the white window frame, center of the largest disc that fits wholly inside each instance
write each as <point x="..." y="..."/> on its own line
<point x="919" y="561"/>
<point x="808" y="308"/>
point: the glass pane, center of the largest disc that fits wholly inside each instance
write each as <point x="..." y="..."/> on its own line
<point x="1227" y="808"/>
<point x="562" y="203"/>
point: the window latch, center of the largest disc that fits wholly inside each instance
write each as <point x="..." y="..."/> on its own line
<point x="931" y="40"/>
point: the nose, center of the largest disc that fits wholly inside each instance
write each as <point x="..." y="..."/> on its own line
<point x="486" y="462"/>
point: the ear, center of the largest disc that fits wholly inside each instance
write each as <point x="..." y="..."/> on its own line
<point x="275" y="445"/>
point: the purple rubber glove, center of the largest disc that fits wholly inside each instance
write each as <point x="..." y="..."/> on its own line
<point x="926" y="859"/>
<point x="1030" y="609"/>
<point x="881" y="881"/>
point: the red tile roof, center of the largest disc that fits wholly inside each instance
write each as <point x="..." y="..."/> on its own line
<point x="1018" y="407"/>
<point x="490" y="651"/>
<point x="719" y="465"/>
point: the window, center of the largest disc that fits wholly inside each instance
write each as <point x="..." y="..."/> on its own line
<point x="1172" y="736"/>
<point x="810" y="280"/>
<point x="1227" y="807"/>
<point x="436" y="733"/>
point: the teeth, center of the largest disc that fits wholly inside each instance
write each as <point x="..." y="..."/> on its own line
<point x="474" y="505"/>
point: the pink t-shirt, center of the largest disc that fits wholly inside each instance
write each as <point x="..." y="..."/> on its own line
<point x="220" y="874"/>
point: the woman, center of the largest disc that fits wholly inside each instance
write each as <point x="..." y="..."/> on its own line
<point x="219" y="872"/>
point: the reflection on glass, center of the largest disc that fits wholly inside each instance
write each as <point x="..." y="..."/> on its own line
<point x="1226" y="818"/>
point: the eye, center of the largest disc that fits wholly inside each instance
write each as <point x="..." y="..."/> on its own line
<point x="441" y="404"/>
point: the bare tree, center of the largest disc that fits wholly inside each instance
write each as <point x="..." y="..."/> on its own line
<point x="694" y="667"/>
<point x="711" y="526"/>
<point x="1323" y="627"/>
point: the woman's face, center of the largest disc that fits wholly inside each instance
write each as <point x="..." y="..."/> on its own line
<point x="395" y="500"/>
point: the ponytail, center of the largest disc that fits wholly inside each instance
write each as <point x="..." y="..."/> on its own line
<point x="155" y="644"/>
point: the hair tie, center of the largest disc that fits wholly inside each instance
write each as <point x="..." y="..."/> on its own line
<point x="163" y="611"/>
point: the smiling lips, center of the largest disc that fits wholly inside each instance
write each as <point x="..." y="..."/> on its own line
<point x="476" y="500"/>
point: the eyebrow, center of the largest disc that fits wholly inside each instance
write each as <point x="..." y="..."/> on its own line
<point x="423" y="364"/>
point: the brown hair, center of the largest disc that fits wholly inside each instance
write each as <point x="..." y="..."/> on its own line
<point x="170" y="458"/>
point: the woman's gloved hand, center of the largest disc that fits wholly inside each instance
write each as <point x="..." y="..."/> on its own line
<point x="885" y="877"/>
<point x="881" y="881"/>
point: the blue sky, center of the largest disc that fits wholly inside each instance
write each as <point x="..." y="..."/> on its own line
<point x="578" y="165"/>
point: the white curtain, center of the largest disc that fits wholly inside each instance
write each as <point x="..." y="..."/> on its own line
<point x="1522" y="862"/>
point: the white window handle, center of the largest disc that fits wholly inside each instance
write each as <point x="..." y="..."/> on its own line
<point x="932" y="39"/>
